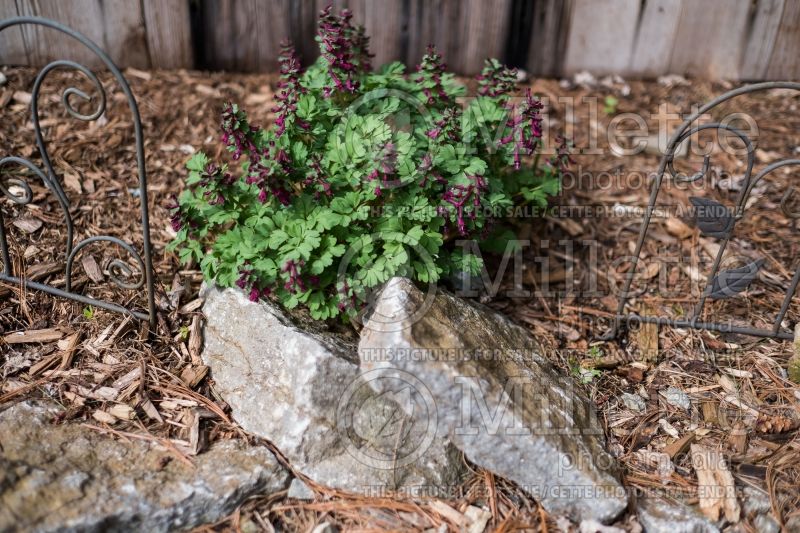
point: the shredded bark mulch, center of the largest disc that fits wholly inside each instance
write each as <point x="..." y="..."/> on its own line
<point x="667" y="397"/>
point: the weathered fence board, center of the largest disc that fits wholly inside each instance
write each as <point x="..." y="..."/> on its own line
<point x="766" y="22"/>
<point x="125" y="38"/>
<point x="548" y="40"/>
<point x="709" y="42"/>
<point x="168" y="33"/>
<point x="12" y="43"/>
<point x="602" y="32"/>
<point x="785" y="58"/>
<point x="655" y="37"/>
<point x="737" y="39"/>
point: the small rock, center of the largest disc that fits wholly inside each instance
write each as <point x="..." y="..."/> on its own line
<point x="671" y="80"/>
<point x="634" y="402"/>
<point x="677" y="397"/>
<point x="658" y="515"/>
<point x="3" y="79"/>
<point x="325" y="527"/>
<point x="477" y="518"/>
<point x="499" y="400"/>
<point x="298" y="385"/>
<point x="593" y="526"/>
<point x="656" y="144"/>
<point x="585" y="79"/>
<point x="299" y="490"/>
<point x="22" y="97"/>
<point x="755" y="501"/>
<point x="76" y="479"/>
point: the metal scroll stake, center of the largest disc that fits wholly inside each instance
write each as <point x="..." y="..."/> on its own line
<point x="715" y="221"/>
<point x="19" y="191"/>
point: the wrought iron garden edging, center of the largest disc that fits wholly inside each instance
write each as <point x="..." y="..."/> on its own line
<point x="49" y="178"/>
<point x="715" y="221"/>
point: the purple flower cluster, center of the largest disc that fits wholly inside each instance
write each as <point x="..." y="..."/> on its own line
<point x="248" y="279"/>
<point x="176" y="219"/>
<point x="295" y="282"/>
<point x="289" y="89"/>
<point x="387" y="163"/>
<point x="496" y="79"/>
<point x="430" y="72"/>
<point x="237" y="134"/>
<point x="271" y="174"/>
<point x="561" y="160"/>
<point x="344" y="47"/>
<point x="526" y="127"/>
<point x="317" y="179"/>
<point x="347" y="297"/>
<point x="425" y="167"/>
<point x="460" y="197"/>
<point x="181" y="217"/>
<point x="447" y="127"/>
<point x="215" y="182"/>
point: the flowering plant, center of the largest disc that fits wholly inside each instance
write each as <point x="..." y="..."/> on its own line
<point x="364" y="175"/>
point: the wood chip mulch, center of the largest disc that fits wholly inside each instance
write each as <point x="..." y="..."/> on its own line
<point x="113" y="375"/>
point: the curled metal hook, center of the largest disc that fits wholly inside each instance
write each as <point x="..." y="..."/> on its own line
<point x="785" y="204"/>
<point x="117" y="268"/>
<point x="678" y="178"/>
<point x="694" y="177"/>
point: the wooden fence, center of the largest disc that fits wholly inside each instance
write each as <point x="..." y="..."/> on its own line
<point x="735" y="39"/>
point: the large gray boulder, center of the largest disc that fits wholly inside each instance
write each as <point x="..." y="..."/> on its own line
<point x="499" y="400"/>
<point x="291" y="381"/>
<point x="69" y="478"/>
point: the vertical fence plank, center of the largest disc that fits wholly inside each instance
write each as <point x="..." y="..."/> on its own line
<point x="168" y="30"/>
<point x="465" y="32"/>
<point x="784" y="62"/>
<point x="124" y="33"/>
<point x="601" y="35"/>
<point x="758" y="49"/>
<point x="710" y="38"/>
<point x="431" y="22"/>
<point x="116" y="26"/>
<point x="548" y="38"/>
<point x="45" y="45"/>
<point x="302" y="28"/>
<point x="385" y="22"/>
<point x="485" y="26"/>
<point x="12" y="44"/>
<point x="655" y="38"/>
<point x="243" y="35"/>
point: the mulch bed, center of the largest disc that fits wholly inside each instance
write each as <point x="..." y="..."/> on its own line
<point x="113" y="378"/>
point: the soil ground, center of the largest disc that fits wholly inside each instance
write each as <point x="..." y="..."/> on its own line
<point x="740" y="400"/>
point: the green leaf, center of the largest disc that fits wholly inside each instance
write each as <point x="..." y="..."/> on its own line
<point x="197" y="162"/>
<point x="276" y="238"/>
